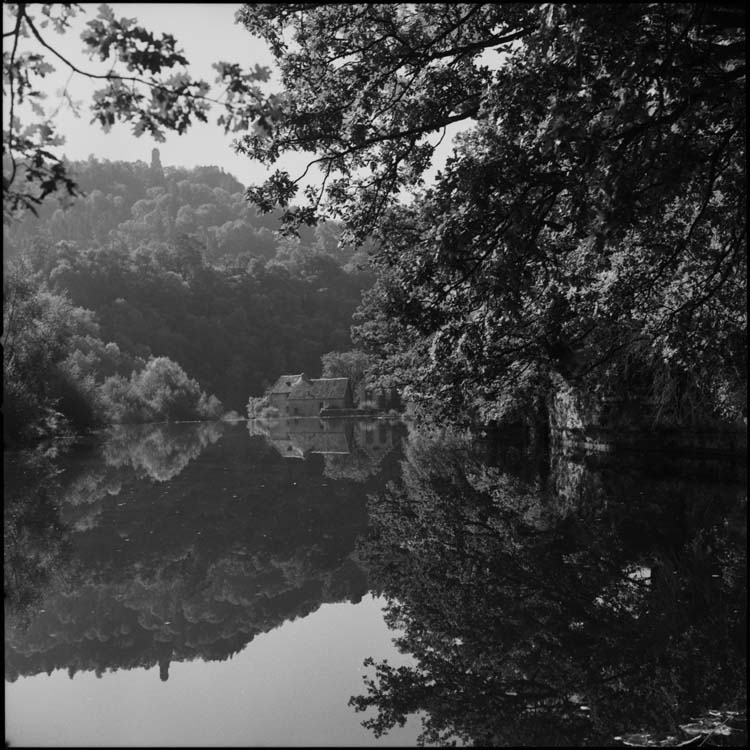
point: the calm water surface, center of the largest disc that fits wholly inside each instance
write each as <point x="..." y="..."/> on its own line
<point x="281" y="583"/>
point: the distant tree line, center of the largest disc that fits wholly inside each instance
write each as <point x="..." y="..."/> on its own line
<point x="141" y="302"/>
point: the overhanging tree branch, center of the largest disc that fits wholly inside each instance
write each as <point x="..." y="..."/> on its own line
<point x="111" y="76"/>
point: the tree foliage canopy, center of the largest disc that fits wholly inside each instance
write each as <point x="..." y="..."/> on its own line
<point x="363" y="85"/>
<point x="591" y="221"/>
<point x="183" y="269"/>
<point x="154" y="92"/>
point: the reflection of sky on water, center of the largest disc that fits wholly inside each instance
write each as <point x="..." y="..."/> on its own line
<point x="289" y="686"/>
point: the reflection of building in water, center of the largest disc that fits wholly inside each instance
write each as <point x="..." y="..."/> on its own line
<point x="374" y="437"/>
<point x="371" y="442"/>
<point x="352" y="449"/>
<point x="340" y="441"/>
<point x="302" y="436"/>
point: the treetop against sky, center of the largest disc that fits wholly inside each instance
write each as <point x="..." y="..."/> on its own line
<point x="205" y="33"/>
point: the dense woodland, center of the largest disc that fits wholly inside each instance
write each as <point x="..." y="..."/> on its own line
<point x="162" y="294"/>
<point x="588" y="231"/>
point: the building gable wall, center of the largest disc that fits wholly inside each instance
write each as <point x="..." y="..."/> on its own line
<point x="297" y="395"/>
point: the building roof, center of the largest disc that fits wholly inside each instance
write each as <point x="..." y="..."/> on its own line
<point x="325" y="388"/>
<point x="285" y="383"/>
<point x="300" y="387"/>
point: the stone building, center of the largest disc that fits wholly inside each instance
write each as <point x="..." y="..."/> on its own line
<point x="300" y="396"/>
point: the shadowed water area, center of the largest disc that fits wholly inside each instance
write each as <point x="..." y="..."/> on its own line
<point x="282" y="582"/>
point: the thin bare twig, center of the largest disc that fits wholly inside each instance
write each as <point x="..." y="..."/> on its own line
<point x="17" y="32"/>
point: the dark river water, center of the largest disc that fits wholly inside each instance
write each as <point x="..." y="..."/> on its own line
<point x="319" y="582"/>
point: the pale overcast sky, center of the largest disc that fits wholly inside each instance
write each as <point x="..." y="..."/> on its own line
<point x="207" y="33"/>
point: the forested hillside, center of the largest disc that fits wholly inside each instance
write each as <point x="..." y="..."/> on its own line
<point x="154" y="263"/>
<point x="583" y="244"/>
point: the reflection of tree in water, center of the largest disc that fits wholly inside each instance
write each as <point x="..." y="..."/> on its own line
<point x="537" y="617"/>
<point x="371" y="442"/>
<point x="353" y="466"/>
<point x="36" y="544"/>
<point x="52" y="493"/>
<point x="160" y="451"/>
<point x="239" y="542"/>
<point x="81" y="499"/>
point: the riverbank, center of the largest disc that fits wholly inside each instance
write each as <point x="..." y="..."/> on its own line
<point x="581" y="420"/>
